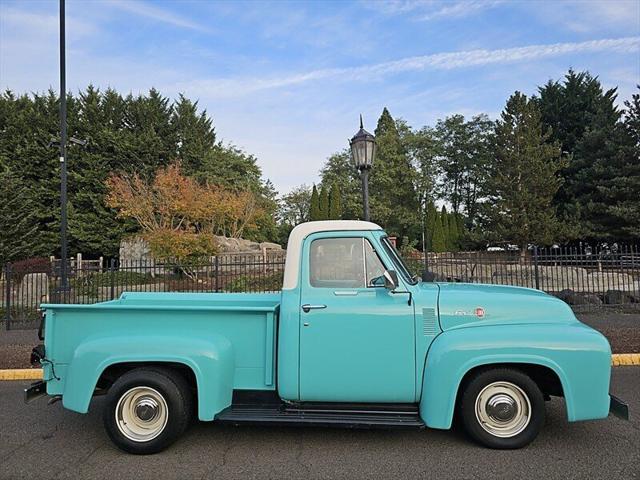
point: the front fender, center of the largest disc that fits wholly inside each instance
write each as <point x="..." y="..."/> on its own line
<point x="579" y="355"/>
<point x="211" y="360"/>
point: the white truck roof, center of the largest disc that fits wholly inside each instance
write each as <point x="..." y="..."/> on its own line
<point x="302" y="231"/>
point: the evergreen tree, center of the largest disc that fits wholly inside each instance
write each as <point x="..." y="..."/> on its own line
<point x="619" y="204"/>
<point x="314" y="208"/>
<point x="324" y="203"/>
<point x="394" y="202"/>
<point x="124" y="134"/>
<point x="430" y="223"/>
<point x="335" y="204"/>
<point x="583" y="119"/>
<point x="17" y="222"/>
<point x="339" y="170"/>
<point x="438" y="241"/>
<point x="194" y="135"/>
<point x="524" y="176"/>
<point x="446" y="227"/>
<point x="454" y="242"/>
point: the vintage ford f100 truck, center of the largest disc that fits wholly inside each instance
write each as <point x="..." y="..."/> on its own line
<point x="351" y="340"/>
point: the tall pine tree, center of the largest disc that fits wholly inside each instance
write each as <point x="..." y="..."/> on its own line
<point x="324" y="203"/>
<point x="430" y="223"/>
<point x="583" y="119"/>
<point x="17" y="219"/>
<point x="524" y="176"/>
<point x="335" y="203"/>
<point x="314" y="209"/>
<point x="394" y="202"/>
<point x="619" y="195"/>
<point x="438" y="240"/>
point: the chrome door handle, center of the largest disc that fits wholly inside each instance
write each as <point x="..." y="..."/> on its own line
<point x="306" y="307"/>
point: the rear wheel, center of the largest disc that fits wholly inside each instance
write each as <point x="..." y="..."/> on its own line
<point x="502" y="408"/>
<point x="147" y="409"/>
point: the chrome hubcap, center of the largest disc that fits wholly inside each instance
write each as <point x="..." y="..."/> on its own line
<point x="503" y="409"/>
<point x="141" y="414"/>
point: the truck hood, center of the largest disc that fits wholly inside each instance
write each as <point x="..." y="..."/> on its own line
<point x="466" y="305"/>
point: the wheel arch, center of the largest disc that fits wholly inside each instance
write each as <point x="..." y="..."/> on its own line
<point x="207" y="364"/>
<point x="543" y="376"/>
<point x="458" y="353"/>
<point x="437" y="407"/>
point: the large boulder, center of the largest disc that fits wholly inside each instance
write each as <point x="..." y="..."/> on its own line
<point x="618" y="297"/>
<point x="133" y="251"/>
<point x="575" y="298"/>
<point x="136" y="250"/>
<point x="605" y="281"/>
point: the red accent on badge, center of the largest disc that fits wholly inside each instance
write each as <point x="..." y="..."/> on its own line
<point x="480" y="312"/>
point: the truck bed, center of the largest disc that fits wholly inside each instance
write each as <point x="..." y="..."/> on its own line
<point x="246" y="320"/>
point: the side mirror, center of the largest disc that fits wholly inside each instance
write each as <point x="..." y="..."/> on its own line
<point x="390" y="280"/>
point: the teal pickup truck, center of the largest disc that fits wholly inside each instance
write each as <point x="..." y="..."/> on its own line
<point x="353" y="340"/>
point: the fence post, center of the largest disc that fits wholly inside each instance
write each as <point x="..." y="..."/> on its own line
<point x="7" y="298"/>
<point x="112" y="278"/>
<point x="217" y="272"/>
<point x="535" y="267"/>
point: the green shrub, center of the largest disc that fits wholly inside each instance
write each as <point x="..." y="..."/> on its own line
<point x="89" y="284"/>
<point x="271" y="282"/>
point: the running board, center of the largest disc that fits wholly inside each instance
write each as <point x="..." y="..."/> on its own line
<point x="297" y="416"/>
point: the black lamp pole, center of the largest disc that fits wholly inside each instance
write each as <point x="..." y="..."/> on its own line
<point x="364" y="174"/>
<point x="63" y="153"/>
<point x="363" y="151"/>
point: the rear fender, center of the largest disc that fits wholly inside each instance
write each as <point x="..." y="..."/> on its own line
<point x="211" y="360"/>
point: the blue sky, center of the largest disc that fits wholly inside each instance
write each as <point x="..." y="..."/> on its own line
<point x="286" y="81"/>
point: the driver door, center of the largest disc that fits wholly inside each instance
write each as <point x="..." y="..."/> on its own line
<point x="357" y="338"/>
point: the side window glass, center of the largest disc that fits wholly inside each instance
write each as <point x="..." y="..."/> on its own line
<point x="374" y="266"/>
<point x="337" y="263"/>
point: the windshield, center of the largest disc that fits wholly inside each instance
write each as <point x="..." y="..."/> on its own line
<point x="397" y="260"/>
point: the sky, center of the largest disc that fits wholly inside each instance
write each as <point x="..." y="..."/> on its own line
<point x="286" y="81"/>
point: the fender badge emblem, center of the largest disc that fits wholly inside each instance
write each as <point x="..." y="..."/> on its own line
<point x="479" y="312"/>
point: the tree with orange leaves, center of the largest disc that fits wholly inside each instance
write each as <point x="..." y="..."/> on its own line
<point x="179" y="216"/>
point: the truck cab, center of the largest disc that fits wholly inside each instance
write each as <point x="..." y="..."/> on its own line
<point x="352" y="339"/>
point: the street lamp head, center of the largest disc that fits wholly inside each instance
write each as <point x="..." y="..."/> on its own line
<point x="363" y="148"/>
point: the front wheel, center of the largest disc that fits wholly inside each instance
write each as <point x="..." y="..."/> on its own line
<point x="502" y="408"/>
<point x="147" y="410"/>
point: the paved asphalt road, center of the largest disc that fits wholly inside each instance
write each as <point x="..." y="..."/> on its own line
<point x="40" y="441"/>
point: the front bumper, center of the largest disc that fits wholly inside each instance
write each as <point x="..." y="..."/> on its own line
<point x="619" y="408"/>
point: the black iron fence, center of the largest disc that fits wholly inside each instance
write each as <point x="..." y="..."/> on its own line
<point x="582" y="278"/>
<point x="25" y="287"/>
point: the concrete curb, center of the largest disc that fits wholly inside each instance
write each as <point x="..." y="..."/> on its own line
<point x="617" y="360"/>
<point x="21" y="374"/>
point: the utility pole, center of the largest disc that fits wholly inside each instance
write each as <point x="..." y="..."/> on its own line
<point x="63" y="153"/>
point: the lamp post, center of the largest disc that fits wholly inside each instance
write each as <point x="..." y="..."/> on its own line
<point x="363" y="151"/>
<point x="63" y="153"/>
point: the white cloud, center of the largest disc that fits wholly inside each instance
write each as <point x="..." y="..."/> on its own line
<point x="231" y="87"/>
<point x="42" y="23"/>
<point x="460" y="9"/>
<point x="154" y="13"/>
<point x="433" y="9"/>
